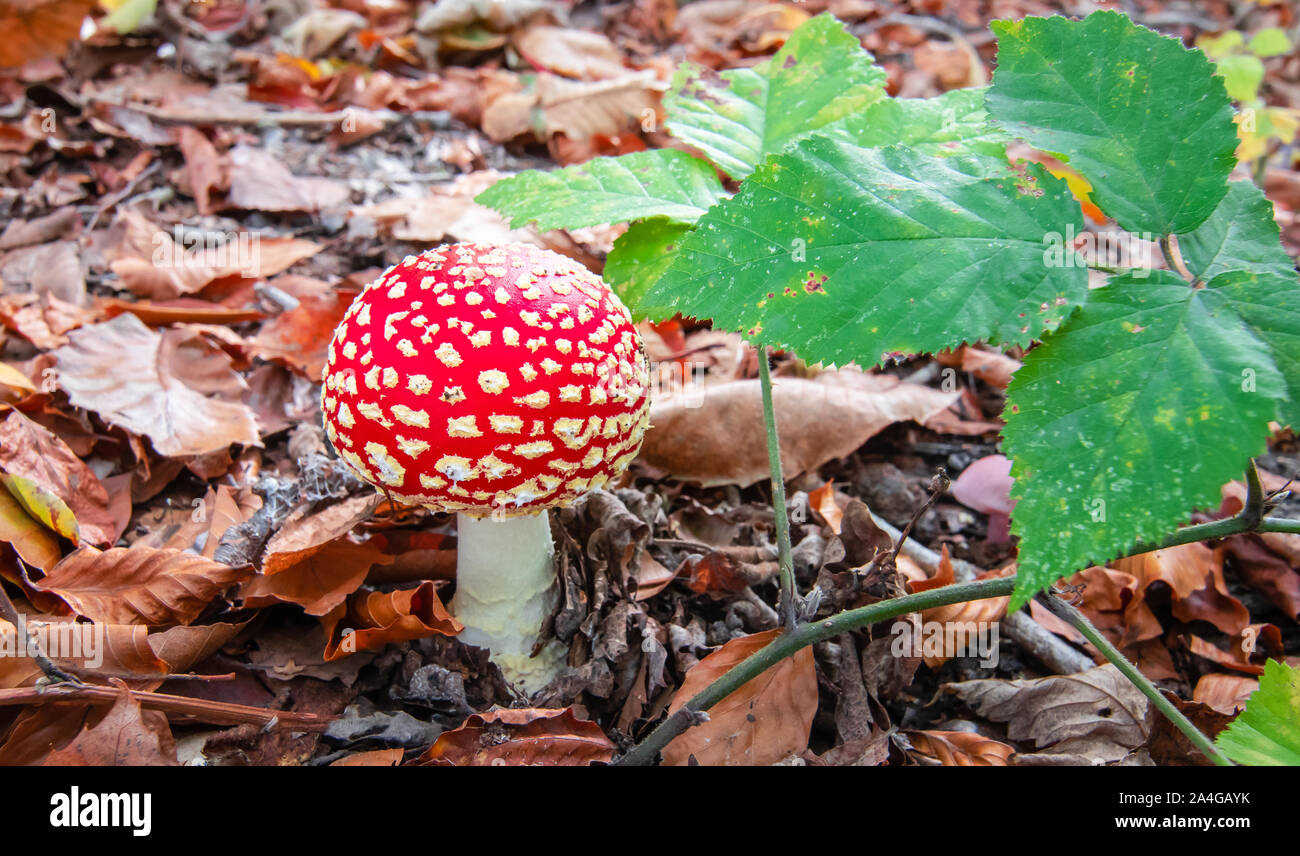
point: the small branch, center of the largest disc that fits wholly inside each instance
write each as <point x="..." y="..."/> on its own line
<point x="192" y="709"/>
<point x="800" y="637"/>
<point x="938" y="486"/>
<point x="10" y="613"/>
<point x="785" y="558"/>
<point x="1076" y="619"/>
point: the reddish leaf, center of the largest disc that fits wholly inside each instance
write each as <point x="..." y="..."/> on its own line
<point x="318" y="578"/>
<point x="959" y="749"/>
<point x="142" y="585"/>
<point x="766" y="720"/>
<point x="126" y="737"/>
<point x="372" y="619"/>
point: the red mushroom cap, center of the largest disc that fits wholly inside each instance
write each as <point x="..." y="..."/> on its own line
<point x="477" y="379"/>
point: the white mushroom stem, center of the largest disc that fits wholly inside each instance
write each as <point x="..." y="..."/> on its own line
<point x="505" y="588"/>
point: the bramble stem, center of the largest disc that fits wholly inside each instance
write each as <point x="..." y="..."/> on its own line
<point x="800" y="637"/>
<point x="785" y="557"/>
<point x="1080" y="622"/>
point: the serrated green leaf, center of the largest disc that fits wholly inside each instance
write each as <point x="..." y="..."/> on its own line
<point x="952" y="123"/>
<point x="1267" y="732"/>
<point x="655" y="183"/>
<point x="640" y="256"/>
<point x="1130" y="417"/>
<point x="1241" y="234"/>
<point x="737" y="118"/>
<point x="1270" y="41"/>
<point x="844" y="254"/>
<point x="1141" y="117"/>
<point x="1270" y="306"/>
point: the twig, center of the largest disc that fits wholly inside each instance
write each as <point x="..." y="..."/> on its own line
<point x="795" y="639"/>
<point x="193" y="709"/>
<point x="785" y="557"/>
<point x="1051" y="650"/>
<point x="938" y="486"/>
<point x="1079" y="621"/>
<point x="10" y="613"/>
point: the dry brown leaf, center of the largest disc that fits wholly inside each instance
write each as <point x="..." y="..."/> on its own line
<point x="57" y="484"/>
<point x="183" y="647"/>
<point x="572" y="53"/>
<point x="126" y="736"/>
<point x="52" y="269"/>
<point x="260" y="181"/>
<point x="523" y="737"/>
<point x="305" y="531"/>
<point x="136" y="378"/>
<point x="300" y="337"/>
<point x="1225" y="693"/>
<point x="1194" y="574"/>
<point x="141" y="585"/>
<point x="318" y="579"/>
<point x="373" y="619"/>
<point x="766" y="720"/>
<point x="1097" y="714"/>
<point x="373" y="758"/>
<point x="37" y="29"/>
<point x="43" y="321"/>
<point x="85" y="649"/>
<point x="722" y="441"/>
<point x="577" y="109"/>
<point x="204" y="167"/>
<point x="150" y="262"/>
<point x="959" y="749"/>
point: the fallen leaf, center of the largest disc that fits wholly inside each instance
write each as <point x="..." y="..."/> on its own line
<point x="1225" y="693"/>
<point x="51" y="482"/>
<point x="300" y="337"/>
<point x="127" y="736"/>
<point x="764" y="721"/>
<point x="1194" y="574"/>
<point x="373" y="758"/>
<point x="718" y="437"/>
<point x="134" y="377"/>
<point x="572" y="53"/>
<point x="522" y="737"/>
<point x="141" y="585"/>
<point x="959" y="749"/>
<point x="577" y="109"/>
<point x="1098" y="714"/>
<point x="37" y="29"/>
<point x="35" y="544"/>
<point x="373" y="619"/>
<point x="318" y="579"/>
<point x="260" y="181"/>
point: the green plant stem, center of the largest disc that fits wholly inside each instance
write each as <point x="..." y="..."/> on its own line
<point x="800" y="637"/>
<point x="785" y="555"/>
<point x="1079" y="621"/>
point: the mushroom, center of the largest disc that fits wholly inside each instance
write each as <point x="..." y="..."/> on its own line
<point x="495" y="382"/>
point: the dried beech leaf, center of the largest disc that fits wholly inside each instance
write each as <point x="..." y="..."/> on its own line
<point x="766" y="720"/>
<point x="373" y="619"/>
<point x="126" y="737"/>
<point x="960" y="748"/>
<point x="719" y="438"/>
<point x="52" y="484"/>
<point x="318" y="579"/>
<point x="1097" y="714"/>
<point x="135" y="378"/>
<point x="141" y="585"/>
<point x="522" y="737"/>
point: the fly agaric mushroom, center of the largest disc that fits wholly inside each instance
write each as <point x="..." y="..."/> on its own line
<point x="497" y="383"/>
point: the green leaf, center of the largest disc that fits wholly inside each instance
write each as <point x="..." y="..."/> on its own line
<point x="846" y="254"/>
<point x="640" y="256"/>
<point x="1270" y="41"/>
<point x="952" y="123"/>
<point x="127" y="16"/>
<point x="656" y="183"/>
<point x="1217" y="47"/>
<point x="737" y="118"/>
<point x="1240" y="234"/>
<point x="1141" y="117"/>
<point x="1242" y="74"/>
<point x="1267" y="732"/>
<point x="1133" y="415"/>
